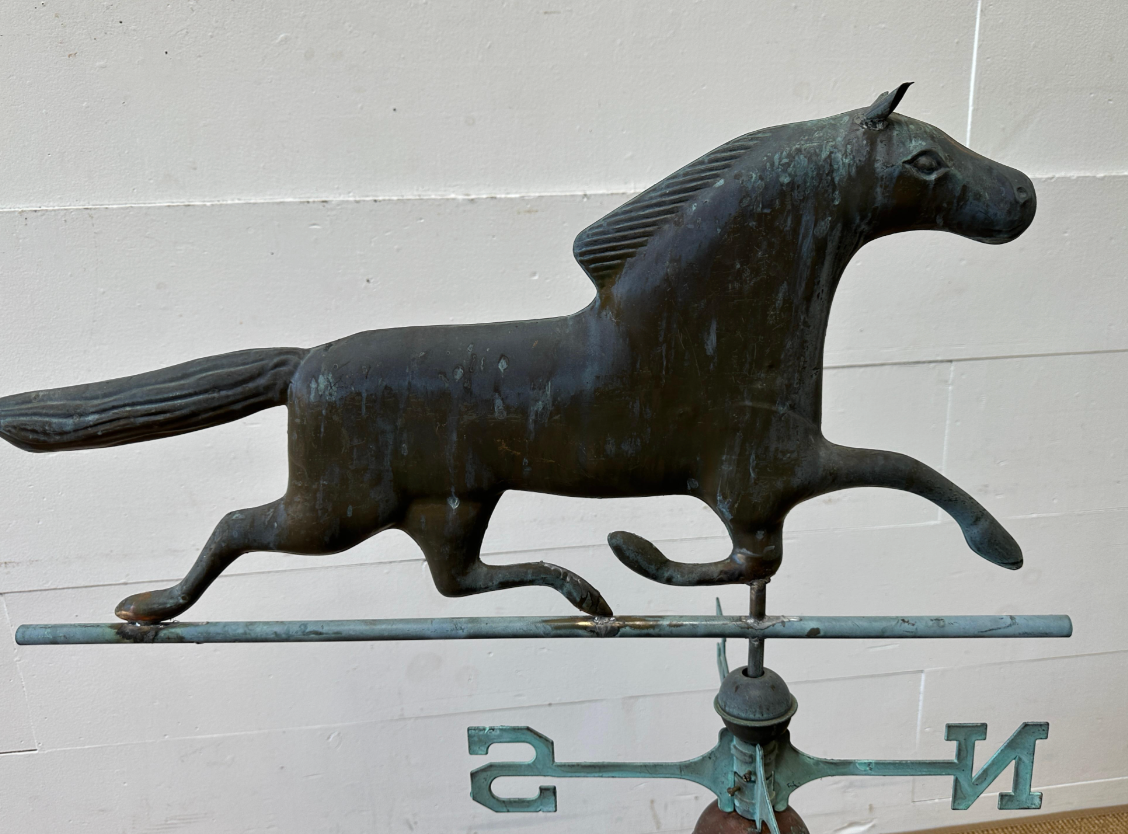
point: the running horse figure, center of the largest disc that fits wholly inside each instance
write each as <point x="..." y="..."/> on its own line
<point x="696" y="370"/>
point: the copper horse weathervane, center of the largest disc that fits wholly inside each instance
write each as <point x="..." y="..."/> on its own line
<point x="696" y="370"/>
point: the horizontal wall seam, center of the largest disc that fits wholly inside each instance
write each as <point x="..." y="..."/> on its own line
<point x="559" y="550"/>
<point x="994" y="664"/>
<point x="393" y="198"/>
<point x="986" y="358"/>
<point x="371" y="563"/>
<point x="1003" y="823"/>
<point x="481" y="714"/>
<point x="342" y="200"/>
<point x="466" y="715"/>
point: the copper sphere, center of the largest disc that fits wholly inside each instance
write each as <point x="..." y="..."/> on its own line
<point x="716" y="821"/>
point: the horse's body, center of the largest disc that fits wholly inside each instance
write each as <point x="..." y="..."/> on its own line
<point x="696" y="370"/>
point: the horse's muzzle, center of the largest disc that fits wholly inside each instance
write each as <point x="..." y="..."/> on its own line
<point x="1020" y="212"/>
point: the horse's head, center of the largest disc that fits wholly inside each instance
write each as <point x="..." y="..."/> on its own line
<point x="924" y="179"/>
<point x="769" y="209"/>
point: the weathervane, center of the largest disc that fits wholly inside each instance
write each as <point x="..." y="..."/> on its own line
<point x="696" y="370"/>
<point x="754" y="768"/>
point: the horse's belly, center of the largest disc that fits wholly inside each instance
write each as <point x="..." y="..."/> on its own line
<point x="419" y="438"/>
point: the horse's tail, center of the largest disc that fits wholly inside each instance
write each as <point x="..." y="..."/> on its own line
<point x="183" y="398"/>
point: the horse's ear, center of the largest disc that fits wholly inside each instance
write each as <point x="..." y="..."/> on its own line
<point x="879" y="113"/>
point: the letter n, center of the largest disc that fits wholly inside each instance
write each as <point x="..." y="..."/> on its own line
<point x="1019" y="749"/>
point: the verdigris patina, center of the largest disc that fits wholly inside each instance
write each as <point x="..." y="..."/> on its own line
<point x="695" y="370"/>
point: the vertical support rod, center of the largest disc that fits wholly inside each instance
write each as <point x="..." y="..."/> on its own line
<point x="758" y="593"/>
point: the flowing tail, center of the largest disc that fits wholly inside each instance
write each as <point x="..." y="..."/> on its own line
<point x="194" y="395"/>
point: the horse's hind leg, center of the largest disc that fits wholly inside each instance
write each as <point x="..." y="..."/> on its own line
<point x="261" y="528"/>
<point x="450" y="534"/>
<point x="755" y="555"/>
<point x="845" y="467"/>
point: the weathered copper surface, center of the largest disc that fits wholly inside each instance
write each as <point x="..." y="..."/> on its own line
<point x="696" y="370"/>
<point x="542" y="628"/>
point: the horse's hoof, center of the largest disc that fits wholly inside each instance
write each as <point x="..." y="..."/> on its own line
<point x="589" y="600"/>
<point x="150" y="607"/>
<point x="990" y="540"/>
<point x="637" y="554"/>
<point x="599" y="608"/>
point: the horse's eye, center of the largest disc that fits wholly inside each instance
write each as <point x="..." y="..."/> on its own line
<point x="927" y="163"/>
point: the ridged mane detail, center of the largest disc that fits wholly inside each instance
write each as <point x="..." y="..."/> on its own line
<point x="605" y="247"/>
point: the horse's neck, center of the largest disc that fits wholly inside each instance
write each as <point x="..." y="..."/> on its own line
<point x="759" y="323"/>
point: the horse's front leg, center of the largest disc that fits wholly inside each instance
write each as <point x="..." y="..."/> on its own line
<point x="844" y="467"/>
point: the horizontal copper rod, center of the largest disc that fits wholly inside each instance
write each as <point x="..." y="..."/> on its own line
<point x="490" y="628"/>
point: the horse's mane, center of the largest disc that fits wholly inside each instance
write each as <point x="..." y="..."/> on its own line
<point x="605" y="247"/>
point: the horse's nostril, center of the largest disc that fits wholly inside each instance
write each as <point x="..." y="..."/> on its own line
<point x="1022" y="194"/>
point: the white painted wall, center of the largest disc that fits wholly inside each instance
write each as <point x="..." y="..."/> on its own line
<point x="190" y="178"/>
